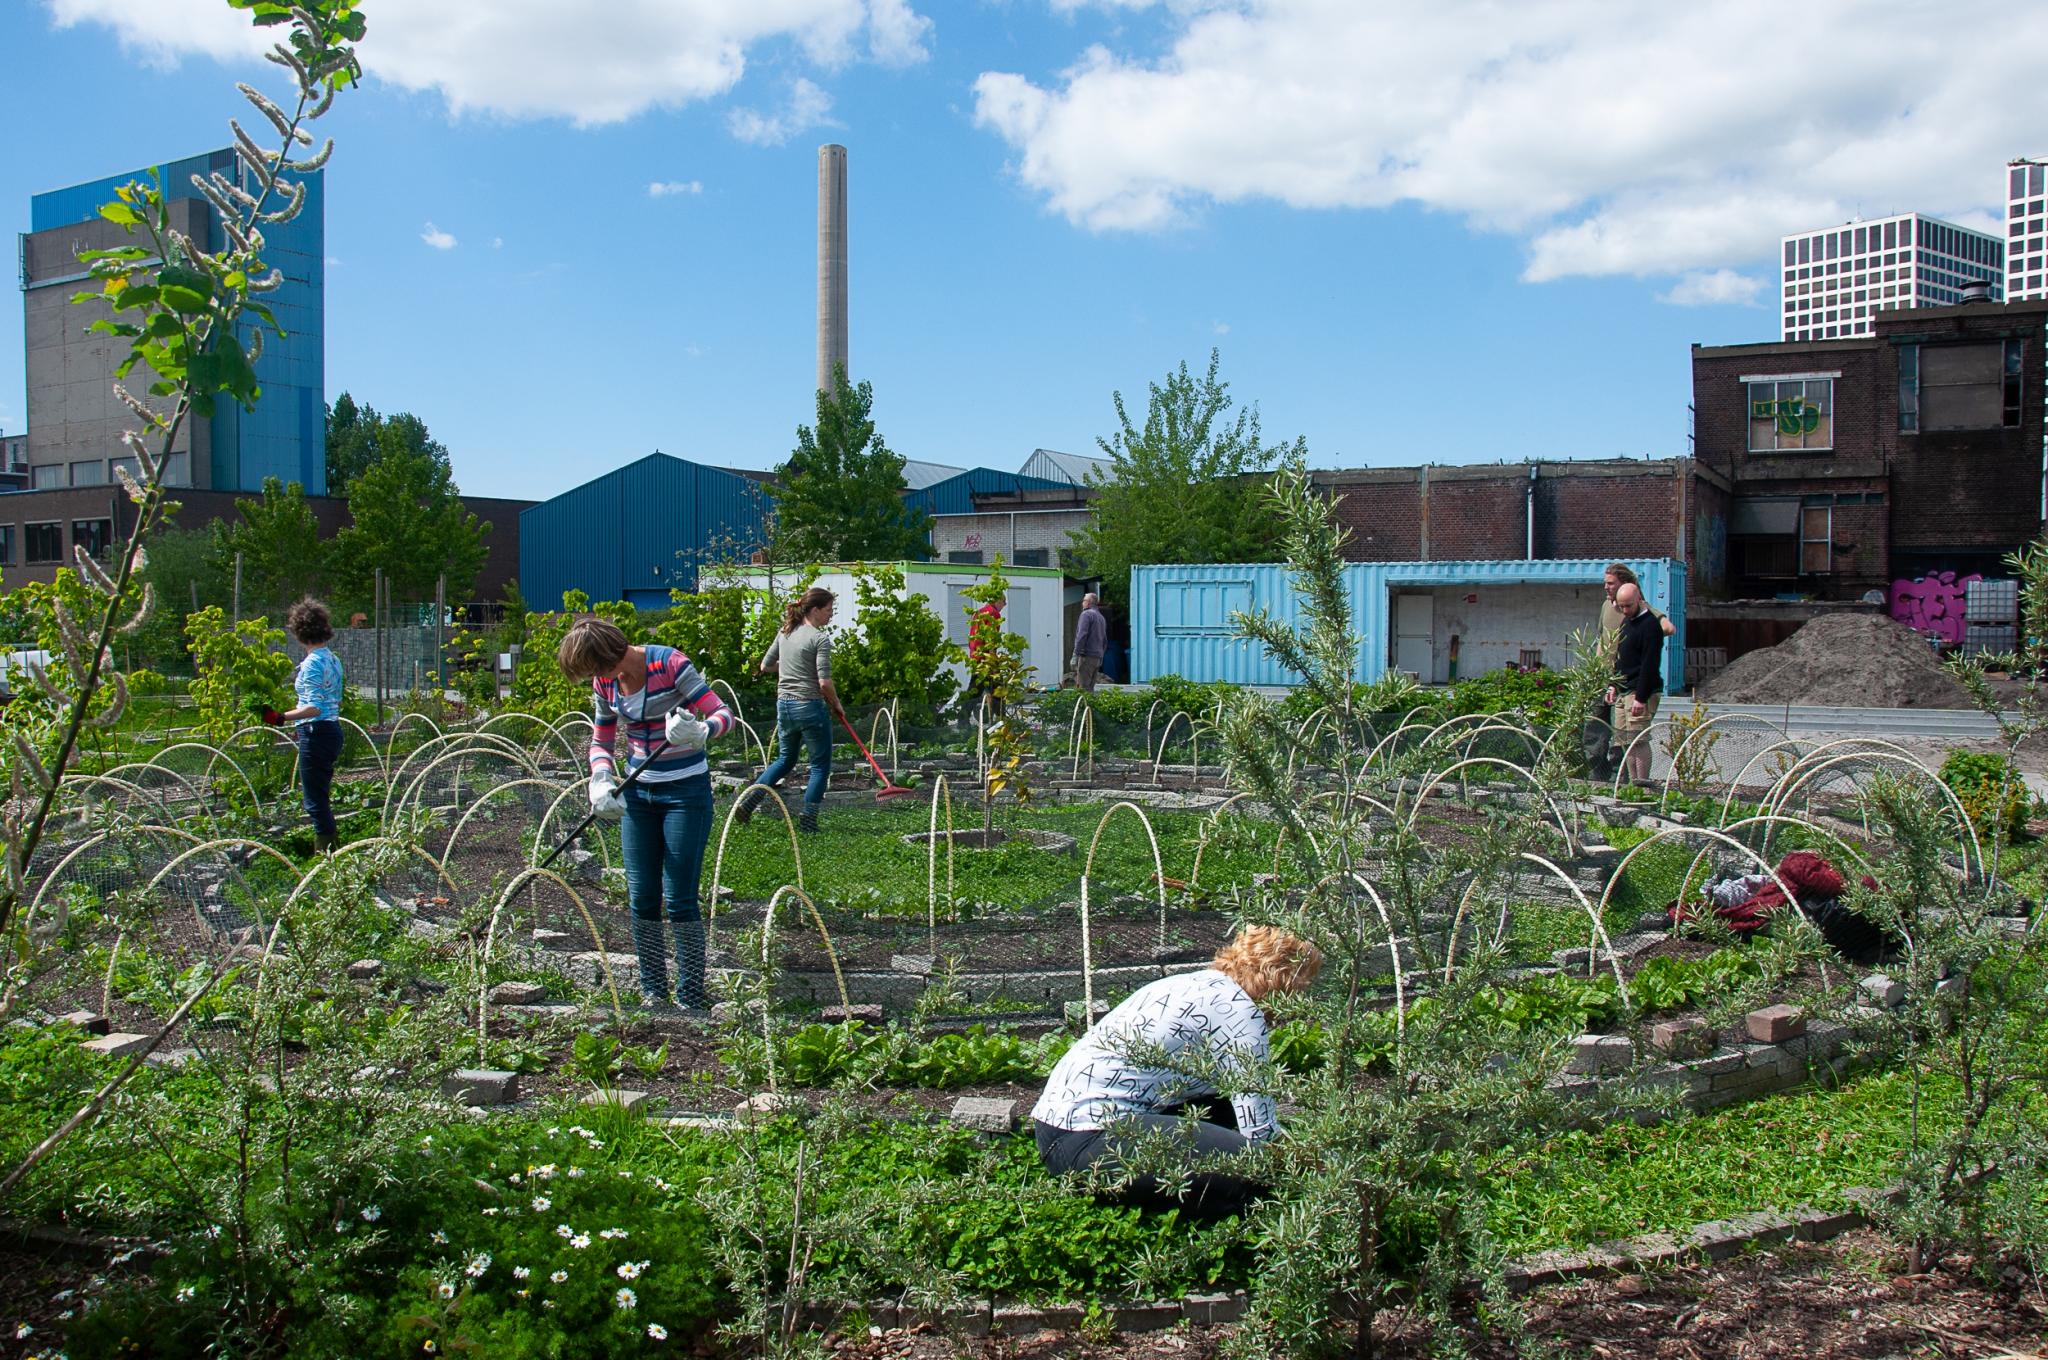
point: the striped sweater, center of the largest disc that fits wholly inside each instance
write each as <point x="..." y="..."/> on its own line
<point x="672" y="682"/>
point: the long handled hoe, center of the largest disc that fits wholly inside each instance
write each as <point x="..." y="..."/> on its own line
<point x="890" y="789"/>
<point x="584" y="825"/>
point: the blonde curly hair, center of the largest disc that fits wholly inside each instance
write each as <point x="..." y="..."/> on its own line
<point x="1263" y="959"/>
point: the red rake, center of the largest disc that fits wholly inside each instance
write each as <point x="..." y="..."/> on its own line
<point x="889" y="788"/>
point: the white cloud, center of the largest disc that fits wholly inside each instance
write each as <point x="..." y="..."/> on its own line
<point x="497" y="243"/>
<point x="1718" y="288"/>
<point x="435" y="237"/>
<point x="589" y="61"/>
<point x="897" y="33"/>
<point x="672" y="187"/>
<point x="1614" y="138"/>
<point x="808" y="107"/>
<point x="1221" y="328"/>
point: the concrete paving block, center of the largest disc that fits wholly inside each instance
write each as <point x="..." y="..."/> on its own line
<point x="85" y="1022"/>
<point x="172" y="1058"/>
<point x="1775" y="1024"/>
<point x="116" y="1045"/>
<point x="918" y="965"/>
<point x="1593" y="1054"/>
<point x="1144" y="1317"/>
<point x="1758" y="1056"/>
<point x="365" y="970"/>
<point x="865" y="1014"/>
<point x="1076" y="1013"/>
<point x="1951" y="990"/>
<point x="550" y="939"/>
<point x="481" y="1086"/>
<point x="985" y="1113"/>
<point x="1019" y="1319"/>
<point x="1718" y="1063"/>
<point x="629" y="1101"/>
<point x="768" y="1104"/>
<point x="1209" y="1310"/>
<point x="1688" y="1038"/>
<point x="1823" y="1039"/>
<point x="1882" y="991"/>
<point x="589" y="967"/>
<point x="518" y="994"/>
<point x="1818" y="1225"/>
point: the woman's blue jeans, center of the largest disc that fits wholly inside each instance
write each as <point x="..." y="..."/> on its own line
<point x="319" y="751"/>
<point x="805" y="722"/>
<point x="662" y="839"/>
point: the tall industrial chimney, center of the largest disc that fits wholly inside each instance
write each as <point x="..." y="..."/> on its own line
<point x="831" y="262"/>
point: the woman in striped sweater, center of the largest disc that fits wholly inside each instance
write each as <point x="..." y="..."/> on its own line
<point x="667" y="810"/>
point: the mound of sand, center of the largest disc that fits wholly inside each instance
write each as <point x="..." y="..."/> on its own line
<point x="1849" y="660"/>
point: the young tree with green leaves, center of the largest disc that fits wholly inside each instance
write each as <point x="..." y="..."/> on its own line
<point x="1186" y="487"/>
<point x="357" y="436"/>
<point x="842" y="489"/>
<point x="278" y="538"/>
<point x="407" y="517"/>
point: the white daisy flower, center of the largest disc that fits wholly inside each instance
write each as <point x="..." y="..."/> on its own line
<point x="520" y="1272"/>
<point x="478" y="1264"/>
<point x="446" y="1290"/>
<point x="626" y="1298"/>
<point x="371" y="1213"/>
<point x="580" y="1241"/>
<point x="657" y="1332"/>
<point x="630" y="1270"/>
<point x="558" y="1277"/>
<point x="541" y="1203"/>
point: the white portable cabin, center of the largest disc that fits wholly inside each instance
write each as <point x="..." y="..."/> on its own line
<point x="1036" y="605"/>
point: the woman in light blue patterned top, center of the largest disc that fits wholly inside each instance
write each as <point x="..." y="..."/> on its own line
<point x="318" y="715"/>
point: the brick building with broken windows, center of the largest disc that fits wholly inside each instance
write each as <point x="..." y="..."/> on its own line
<point x="1854" y="463"/>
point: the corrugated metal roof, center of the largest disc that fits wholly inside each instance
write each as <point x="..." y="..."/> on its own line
<point x="917" y="476"/>
<point x="955" y="495"/>
<point x="1180" y="615"/>
<point x="1072" y="468"/>
<point x="637" y="532"/>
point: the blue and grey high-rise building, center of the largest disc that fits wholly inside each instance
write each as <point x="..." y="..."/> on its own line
<point x="74" y="419"/>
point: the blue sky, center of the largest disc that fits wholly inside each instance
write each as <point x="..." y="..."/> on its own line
<point x="1449" y="232"/>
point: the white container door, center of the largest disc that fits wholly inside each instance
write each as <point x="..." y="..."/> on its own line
<point x="1414" y="636"/>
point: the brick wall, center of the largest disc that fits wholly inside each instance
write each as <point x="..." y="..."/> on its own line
<point x="1595" y="509"/>
<point x="1382" y="514"/>
<point x="200" y="508"/>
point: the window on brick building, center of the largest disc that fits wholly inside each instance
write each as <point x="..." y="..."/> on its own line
<point x="44" y="543"/>
<point x="1816" y="540"/>
<point x="6" y="545"/>
<point x="96" y="536"/>
<point x="1791" y="414"/>
<point x="1962" y="387"/>
<point x="1032" y="557"/>
<point x="2013" y="381"/>
<point x="1909" y="388"/>
<point x="969" y="559"/>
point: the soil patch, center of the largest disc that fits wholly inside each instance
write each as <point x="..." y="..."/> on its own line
<point x="1849" y="660"/>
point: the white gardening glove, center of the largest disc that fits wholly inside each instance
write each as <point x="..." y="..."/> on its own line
<point x="605" y="799"/>
<point x="685" y="733"/>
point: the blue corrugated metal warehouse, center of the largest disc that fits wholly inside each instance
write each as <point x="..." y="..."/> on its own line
<point x="955" y="495"/>
<point x="1409" y="615"/>
<point x="638" y="532"/>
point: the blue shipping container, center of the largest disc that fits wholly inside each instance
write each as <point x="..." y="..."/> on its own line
<point x="1440" y="620"/>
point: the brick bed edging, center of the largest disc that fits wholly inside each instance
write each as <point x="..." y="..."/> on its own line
<point x="1008" y="1317"/>
<point x="1714" y="1241"/>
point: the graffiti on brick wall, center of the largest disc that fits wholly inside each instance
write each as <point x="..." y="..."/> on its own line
<point x="1934" y="605"/>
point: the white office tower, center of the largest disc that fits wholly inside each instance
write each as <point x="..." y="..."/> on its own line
<point x="1836" y="280"/>
<point x="2025" y="274"/>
